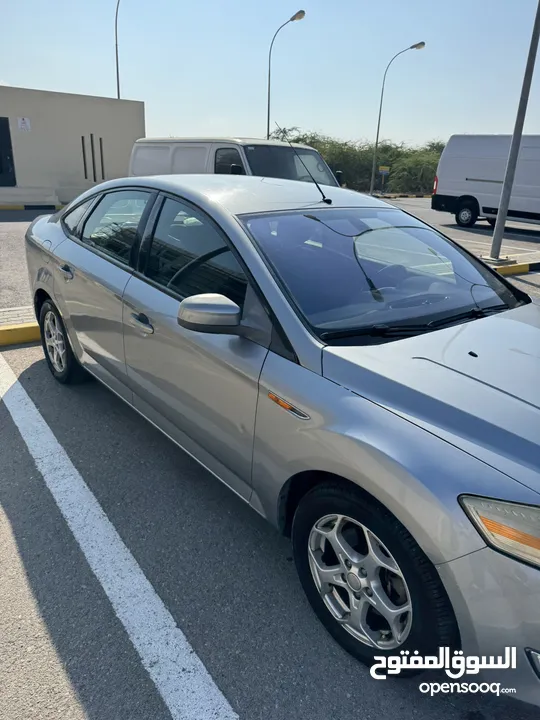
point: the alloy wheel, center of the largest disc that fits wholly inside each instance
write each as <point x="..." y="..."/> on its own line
<point x="360" y="582"/>
<point x="54" y="342"/>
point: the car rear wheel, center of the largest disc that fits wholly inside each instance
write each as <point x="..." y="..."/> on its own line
<point x="367" y="579"/>
<point x="467" y="214"/>
<point x="491" y="221"/>
<point x="60" y="358"/>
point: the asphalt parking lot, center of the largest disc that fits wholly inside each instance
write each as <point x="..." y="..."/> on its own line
<point x="134" y="586"/>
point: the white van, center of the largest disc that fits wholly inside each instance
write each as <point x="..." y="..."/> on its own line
<point x="240" y="156"/>
<point x="471" y="173"/>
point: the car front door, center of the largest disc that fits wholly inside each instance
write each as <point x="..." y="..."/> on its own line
<point x="92" y="269"/>
<point x="199" y="388"/>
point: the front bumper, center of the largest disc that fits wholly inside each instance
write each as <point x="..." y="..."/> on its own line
<point x="497" y="604"/>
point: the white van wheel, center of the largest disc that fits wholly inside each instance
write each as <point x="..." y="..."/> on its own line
<point x="467" y="214"/>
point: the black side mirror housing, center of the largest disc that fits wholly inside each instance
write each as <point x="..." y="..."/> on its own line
<point x="237" y="169"/>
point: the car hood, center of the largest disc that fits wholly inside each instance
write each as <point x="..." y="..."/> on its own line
<point x="475" y="385"/>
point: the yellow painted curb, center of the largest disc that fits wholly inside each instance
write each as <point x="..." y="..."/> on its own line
<point x="11" y="207"/>
<point x="19" y="334"/>
<point x="516" y="269"/>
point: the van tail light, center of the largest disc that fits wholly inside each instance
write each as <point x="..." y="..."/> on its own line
<point x="435" y="184"/>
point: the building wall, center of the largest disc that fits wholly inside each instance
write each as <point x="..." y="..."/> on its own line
<point x="48" y="156"/>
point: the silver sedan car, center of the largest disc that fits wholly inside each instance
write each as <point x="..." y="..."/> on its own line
<point x="364" y="383"/>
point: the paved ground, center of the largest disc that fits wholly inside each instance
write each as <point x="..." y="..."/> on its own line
<point x="222" y="573"/>
<point x="14" y="288"/>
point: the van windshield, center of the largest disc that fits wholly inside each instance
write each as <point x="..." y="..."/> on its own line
<point x="283" y="162"/>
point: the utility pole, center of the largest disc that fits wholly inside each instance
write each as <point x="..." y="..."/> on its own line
<point x="508" y="183"/>
<point x="116" y="48"/>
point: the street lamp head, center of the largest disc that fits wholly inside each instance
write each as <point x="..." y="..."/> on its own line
<point x="418" y="46"/>
<point x="300" y="15"/>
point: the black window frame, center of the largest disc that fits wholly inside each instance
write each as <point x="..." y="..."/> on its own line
<point x="97" y="198"/>
<point x="280" y="343"/>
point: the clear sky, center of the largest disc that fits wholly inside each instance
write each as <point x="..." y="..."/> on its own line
<point x="200" y="66"/>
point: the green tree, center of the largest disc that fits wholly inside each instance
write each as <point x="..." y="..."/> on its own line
<point x="412" y="169"/>
<point x="414" y="173"/>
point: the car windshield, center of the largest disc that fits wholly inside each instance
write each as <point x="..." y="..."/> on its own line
<point x="283" y="162"/>
<point x="350" y="269"/>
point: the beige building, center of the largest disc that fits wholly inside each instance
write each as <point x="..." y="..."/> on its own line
<point x="55" y="145"/>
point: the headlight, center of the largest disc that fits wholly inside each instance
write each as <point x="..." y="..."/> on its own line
<point x="513" y="529"/>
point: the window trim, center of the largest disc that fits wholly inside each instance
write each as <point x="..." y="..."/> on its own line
<point x="97" y="198"/>
<point x="284" y="347"/>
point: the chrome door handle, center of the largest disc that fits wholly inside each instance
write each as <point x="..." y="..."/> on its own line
<point x="66" y="271"/>
<point x="142" y="323"/>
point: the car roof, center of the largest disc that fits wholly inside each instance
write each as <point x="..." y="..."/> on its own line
<point x="239" y="194"/>
<point x="235" y="140"/>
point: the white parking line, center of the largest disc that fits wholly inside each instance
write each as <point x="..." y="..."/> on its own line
<point x="177" y="672"/>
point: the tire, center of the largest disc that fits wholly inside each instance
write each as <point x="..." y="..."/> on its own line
<point x="491" y="221"/>
<point x="467" y="214"/>
<point x="429" y="625"/>
<point x="64" y="367"/>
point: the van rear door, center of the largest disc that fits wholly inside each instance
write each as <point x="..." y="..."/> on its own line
<point x="189" y="158"/>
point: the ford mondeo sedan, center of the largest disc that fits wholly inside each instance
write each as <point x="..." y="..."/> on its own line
<point x="364" y="383"/>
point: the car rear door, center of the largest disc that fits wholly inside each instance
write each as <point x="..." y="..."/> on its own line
<point x="92" y="269"/>
<point x="199" y="388"/>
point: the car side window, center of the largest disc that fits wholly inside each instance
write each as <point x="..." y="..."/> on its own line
<point x="225" y="157"/>
<point x="112" y="226"/>
<point x="188" y="256"/>
<point x="73" y="217"/>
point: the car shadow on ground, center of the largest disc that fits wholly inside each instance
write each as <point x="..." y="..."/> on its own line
<point x="224" y="574"/>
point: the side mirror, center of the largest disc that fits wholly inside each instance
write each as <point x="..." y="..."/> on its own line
<point x="339" y="177"/>
<point x="237" y="169"/>
<point x="210" y="313"/>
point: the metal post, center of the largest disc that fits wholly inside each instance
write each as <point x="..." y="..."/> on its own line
<point x="374" y="164"/>
<point x="516" y="142"/>
<point x="116" y="45"/>
<point x="269" y="78"/>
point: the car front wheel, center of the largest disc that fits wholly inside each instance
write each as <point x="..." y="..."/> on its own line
<point x="367" y="579"/>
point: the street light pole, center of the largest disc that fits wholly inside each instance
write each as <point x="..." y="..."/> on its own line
<point x="297" y="16"/>
<point x="416" y="46"/>
<point x="116" y="46"/>
<point x="506" y="192"/>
